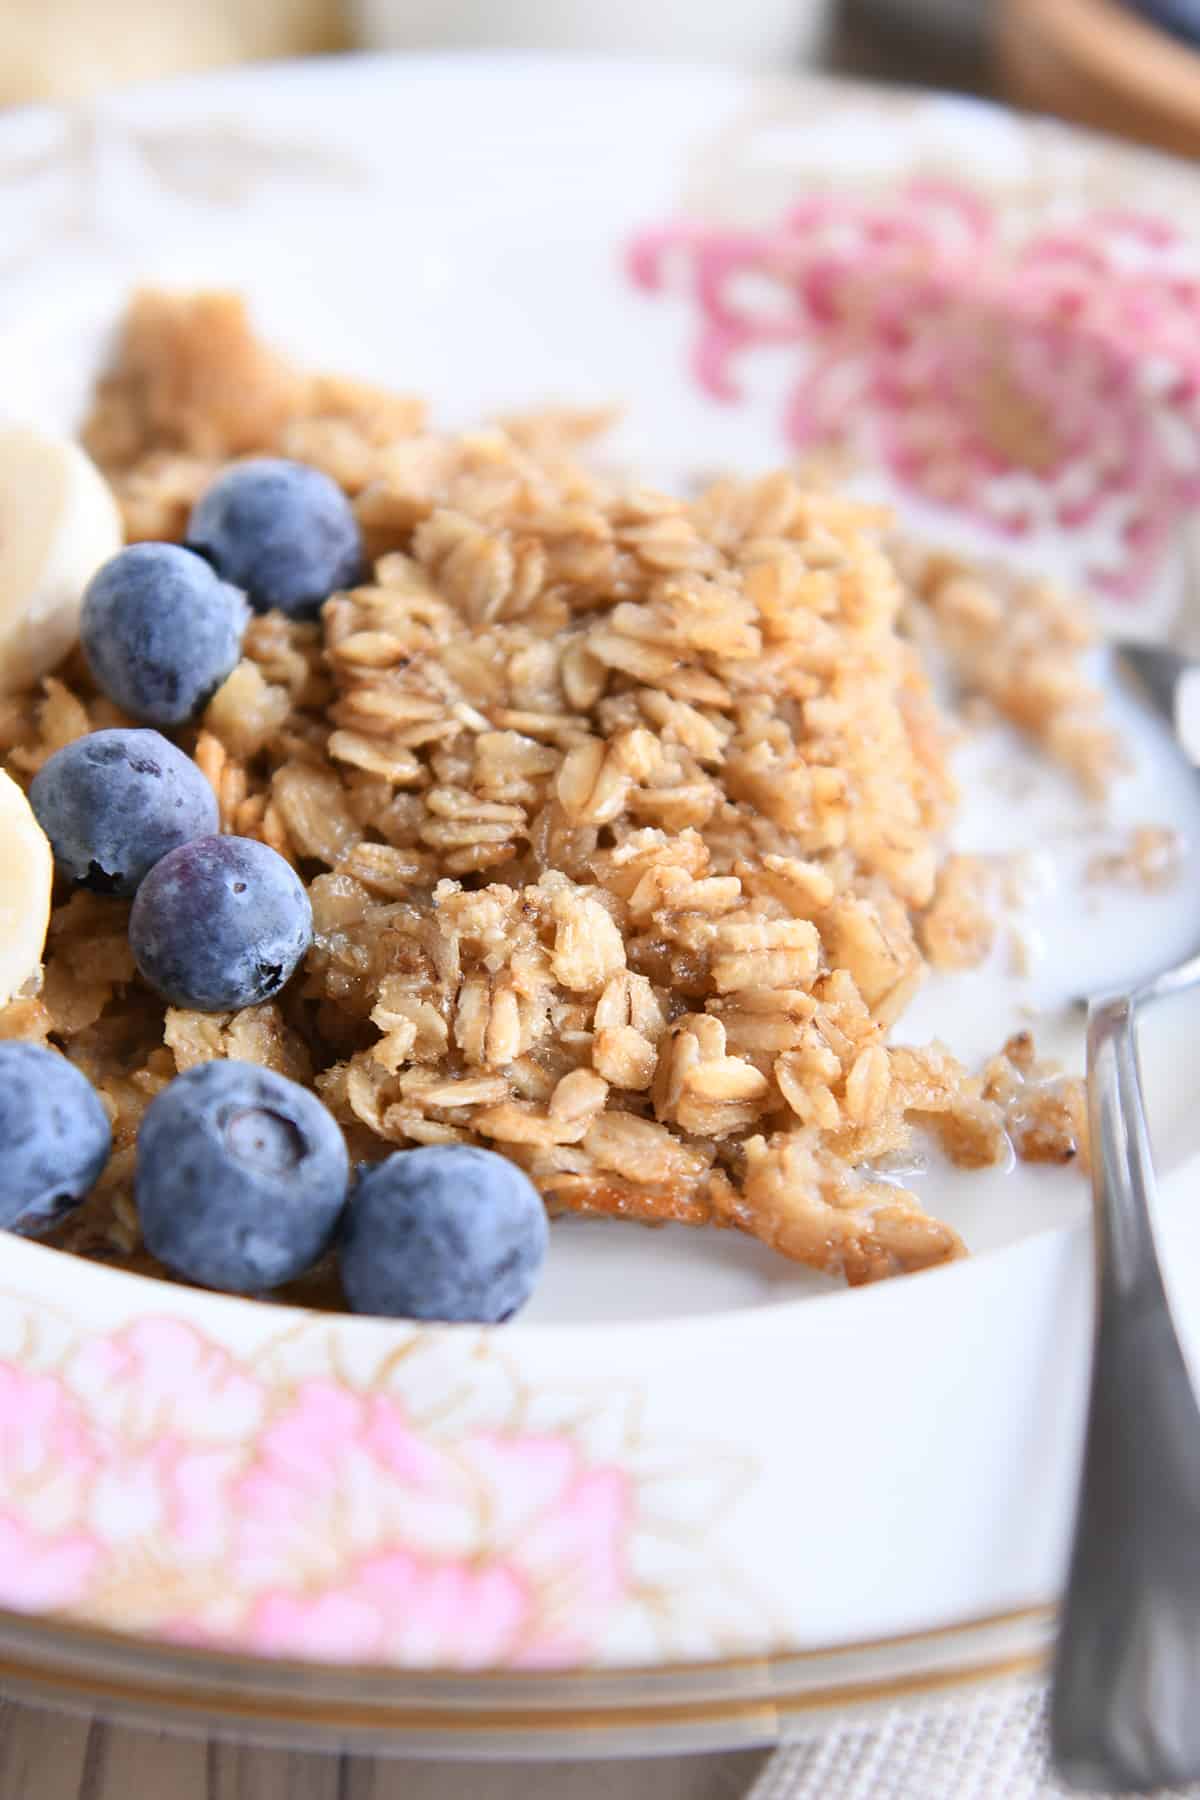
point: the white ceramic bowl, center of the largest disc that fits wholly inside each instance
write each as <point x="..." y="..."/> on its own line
<point x="741" y="1505"/>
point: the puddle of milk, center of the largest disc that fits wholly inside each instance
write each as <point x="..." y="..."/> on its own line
<point x="1079" y="935"/>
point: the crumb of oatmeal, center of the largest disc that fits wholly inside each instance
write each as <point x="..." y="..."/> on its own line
<point x="620" y="814"/>
<point x="1150" y="859"/>
<point x="1045" y="1111"/>
<point x="1018" y="874"/>
<point x="959" y="928"/>
<point x="1019" y="643"/>
<point x="1020" y="954"/>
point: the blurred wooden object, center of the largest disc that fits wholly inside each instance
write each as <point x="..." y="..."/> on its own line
<point x="877" y="41"/>
<point x="60" y="49"/>
<point x="1101" y="65"/>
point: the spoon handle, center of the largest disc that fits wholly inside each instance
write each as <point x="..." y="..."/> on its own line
<point x="1125" y="1713"/>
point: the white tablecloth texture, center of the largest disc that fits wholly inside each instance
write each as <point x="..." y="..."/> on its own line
<point x="988" y="1746"/>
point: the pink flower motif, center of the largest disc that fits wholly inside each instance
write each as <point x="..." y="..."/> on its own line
<point x="1055" y="386"/>
<point x="172" y="1490"/>
<point x="331" y="1527"/>
<point x="339" y="1475"/>
<point x="564" y="1526"/>
<point x="39" y="1572"/>
<point x="161" y="1376"/>
<point x="375" y="1542"/>
<point x="171" y="1415"/>
<point x="48" y="1452"/>
<point x="47" y="1460"/>
<point x="399" y="1608"/>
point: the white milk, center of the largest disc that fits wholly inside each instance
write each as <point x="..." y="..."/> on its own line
<point x="1079" y="935"/>
<point x="1082" y="935"/>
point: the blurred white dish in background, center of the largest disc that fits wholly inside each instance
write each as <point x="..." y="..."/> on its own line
<point x="751" y="33"/>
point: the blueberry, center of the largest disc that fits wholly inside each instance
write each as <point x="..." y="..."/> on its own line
<point x="219" y="924"/>
<point x="241" y="1176"/>
<point x="115" y="802"/>
<point x="281" y="530"/>
<point x="161" y="631"/>
<point x="54" y="1137"/>
<point x="444" y="1232"/>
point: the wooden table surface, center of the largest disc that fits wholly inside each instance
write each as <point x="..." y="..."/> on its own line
<point x="53" y="1756"/>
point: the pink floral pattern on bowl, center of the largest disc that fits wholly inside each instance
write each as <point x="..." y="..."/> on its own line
<point x="1050" y="383"/>
<point x="336" y="1490"/>
<point x="152" y="1480"/>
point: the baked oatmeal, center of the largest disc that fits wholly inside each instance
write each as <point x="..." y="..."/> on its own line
<point x="622" y="817"/>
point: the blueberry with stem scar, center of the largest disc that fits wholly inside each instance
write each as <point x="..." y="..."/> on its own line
<point x="241" y="1177"/>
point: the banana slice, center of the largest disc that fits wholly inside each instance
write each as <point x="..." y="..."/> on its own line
<point x="26" y="874"/>
<point x="58" y="523"/>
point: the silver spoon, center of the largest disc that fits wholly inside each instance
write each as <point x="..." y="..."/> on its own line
<point x="1125" y="1709"/>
